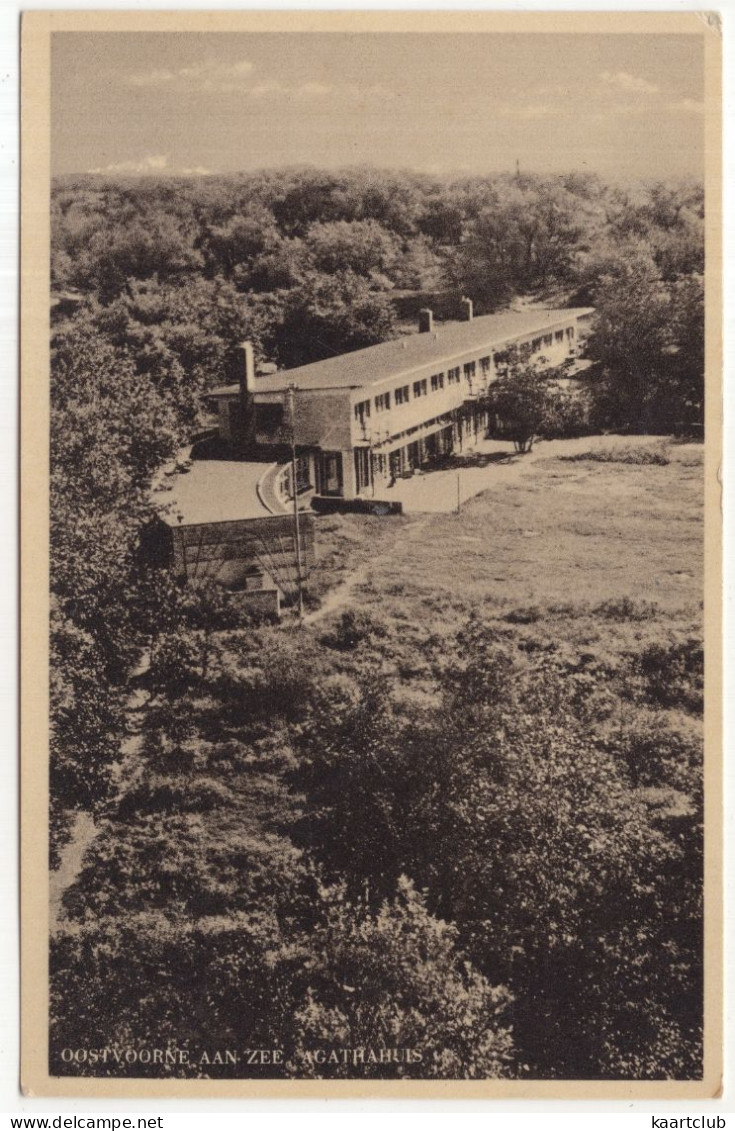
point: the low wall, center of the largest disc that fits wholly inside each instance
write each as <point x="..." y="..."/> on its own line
<point x="328" y="504"/>
<point x="232" y="551"/>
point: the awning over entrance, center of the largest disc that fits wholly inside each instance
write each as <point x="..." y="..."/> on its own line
<point x="420" y="432"/>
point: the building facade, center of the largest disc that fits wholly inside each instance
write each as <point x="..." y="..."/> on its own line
<point x="365" y="418"/>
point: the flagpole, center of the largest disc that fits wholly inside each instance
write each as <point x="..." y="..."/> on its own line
<point x="297" y="532"/>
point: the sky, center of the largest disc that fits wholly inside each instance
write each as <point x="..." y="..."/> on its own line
<point x="623" y="106"/>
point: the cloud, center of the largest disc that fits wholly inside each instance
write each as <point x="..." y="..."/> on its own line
<point x="208" y="75"/>
<point x="212" y="77"/>
<point x="155" y="163"/>
<point x="151" y="78"/>
<point x="313" y="90"/>
<point x="623" y="80"/>
<point x="209" y="69"/>
<point x="152" y="164"/>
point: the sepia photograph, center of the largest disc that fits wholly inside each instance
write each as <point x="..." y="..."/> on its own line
<point x="371" y="553"/>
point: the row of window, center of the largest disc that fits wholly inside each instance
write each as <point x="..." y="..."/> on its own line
<point x="421" y="388"/>
<point x="549" y="339"/>
<point x="436" y="382"/>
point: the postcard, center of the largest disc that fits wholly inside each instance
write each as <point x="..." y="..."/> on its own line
<point x="371" y="608"/>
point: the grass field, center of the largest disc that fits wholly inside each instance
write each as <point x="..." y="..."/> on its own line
<point x="596" y="563"/>
<point x="570" y="530"/>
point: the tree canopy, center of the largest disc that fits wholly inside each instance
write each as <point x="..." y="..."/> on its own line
<point x="288" y="852"/>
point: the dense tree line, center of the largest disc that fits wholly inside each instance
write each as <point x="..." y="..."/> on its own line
<point x="344" y="869"/>
<point x="306" y="860"/>
<point x="310" y="264"/>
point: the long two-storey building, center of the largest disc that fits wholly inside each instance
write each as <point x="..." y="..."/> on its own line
<point x="377" y="413"/>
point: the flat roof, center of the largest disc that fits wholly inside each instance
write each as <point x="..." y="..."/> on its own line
<point x="390" y="359"/>
<point x="212" y="491"/>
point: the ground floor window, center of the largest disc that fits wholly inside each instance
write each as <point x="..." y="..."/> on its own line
<point x="329" y="473"/>
<point x="363" y="478"/>
<point x="303" y="478"/>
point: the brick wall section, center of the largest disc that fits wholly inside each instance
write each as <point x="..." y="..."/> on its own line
<point x="256" y="545"/>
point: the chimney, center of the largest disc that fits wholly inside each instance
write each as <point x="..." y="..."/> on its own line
<point x="245" y="363"/>
<point x="426" y="320"/>
<point x="466" y="309"/>
<point x="246" y="369"/>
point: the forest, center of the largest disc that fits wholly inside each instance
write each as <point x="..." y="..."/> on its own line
<point x="438" y="821"/>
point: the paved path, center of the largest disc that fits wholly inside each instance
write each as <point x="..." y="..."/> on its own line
<point x="125" y="773"/>
<point x="267" y="490"/>
<point x="83" y="833"/>
<point x="492" y="462"/>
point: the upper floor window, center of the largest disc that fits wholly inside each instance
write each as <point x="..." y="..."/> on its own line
<point x="470" y="370"/>
<point x="548" y="339"/>
<point x="401" y="395"/>
<point x="500" y="361"/>
<point x="559" y="336"/>
<point x="419" y="388"/>
<point x="570" y="331"/>
<point x="382" y="402"/>
<point x="535" y="345"/>
<point x="437" y="382"/>
<point x="485" y="365"/>
<point x="362" y="411"/>
<point x="453" y="376"/>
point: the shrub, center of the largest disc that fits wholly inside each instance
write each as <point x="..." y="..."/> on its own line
<point x="527" y="615"/>
<point x="567" y="417"/>
<point x="626" y="608"/>
<point x="353" y="627"/>
<point x="660" y="753"/>
<point x="630" y="453"/>
<point x="672" y="673"/>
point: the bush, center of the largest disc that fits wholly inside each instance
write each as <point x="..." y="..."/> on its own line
<point x="673" y="673"/>
<point x="626" y="608"/>
<point x="567" y="417"/>
<point x="631" y="453"/>
<point x="528" y="615"/>
<point x="660" y="753"/>
<point x="353" y="627"/>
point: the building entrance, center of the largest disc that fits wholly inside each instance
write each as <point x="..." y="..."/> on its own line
<point x="363" y="477"/>
<point x="329" y="473"/>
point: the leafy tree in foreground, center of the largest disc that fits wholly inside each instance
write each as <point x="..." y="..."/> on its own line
<point x="523" y="401"/>
<point x="629" y="337"/>
<point x="648" y="336"/>
<point x="529" y="834"/>
<point x="392" y="980"/>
